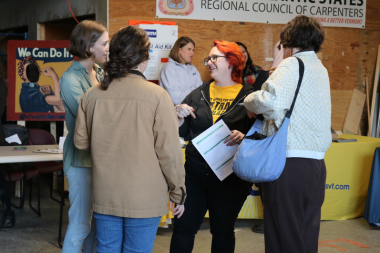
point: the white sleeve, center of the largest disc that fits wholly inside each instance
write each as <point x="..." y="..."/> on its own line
<point x="170" y="81"/>
<point x="198" y="77"/>
<point x="277" y="93"/>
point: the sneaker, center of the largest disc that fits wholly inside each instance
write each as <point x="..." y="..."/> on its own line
<point x="9" y="220"/>
<point x="259" y="228"/>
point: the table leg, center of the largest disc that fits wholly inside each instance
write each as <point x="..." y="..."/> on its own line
<point x="66" y="185"/>
<point x="17" y="186"/>
<point x="55" y="181"/>
<point x="18" y="189"/>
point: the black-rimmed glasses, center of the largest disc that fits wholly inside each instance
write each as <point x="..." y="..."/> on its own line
<point x="213" y="58"/>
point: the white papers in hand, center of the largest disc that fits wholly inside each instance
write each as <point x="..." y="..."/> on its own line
<point x="217" y="154"/>
<point x="13" y="138"/>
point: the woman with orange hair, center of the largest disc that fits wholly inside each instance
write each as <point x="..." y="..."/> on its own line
<point x="219" y="98"/>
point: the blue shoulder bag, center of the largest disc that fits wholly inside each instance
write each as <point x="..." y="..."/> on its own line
<point x="260" y="158"/>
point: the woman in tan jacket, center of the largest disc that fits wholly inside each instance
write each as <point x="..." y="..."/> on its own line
<point x="132" y="130"/>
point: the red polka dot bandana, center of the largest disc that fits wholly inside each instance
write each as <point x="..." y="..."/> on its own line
<point x="21" y="65"/>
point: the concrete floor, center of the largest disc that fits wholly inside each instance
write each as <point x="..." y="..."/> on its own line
<point x="39" y="235"/>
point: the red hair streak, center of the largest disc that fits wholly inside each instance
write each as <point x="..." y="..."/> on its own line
<point x="235" y="58"/>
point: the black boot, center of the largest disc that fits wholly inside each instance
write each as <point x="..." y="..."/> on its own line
<point x="9" y="220"/>
<point x="1" y="213"/>
<point x="259" y="228"/>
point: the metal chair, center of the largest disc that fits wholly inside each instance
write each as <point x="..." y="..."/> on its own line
<point x="22" y="176"/>
<point x="43" y="137"/>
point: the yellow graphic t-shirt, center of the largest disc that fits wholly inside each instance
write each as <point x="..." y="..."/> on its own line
<point x="221" y="98"/>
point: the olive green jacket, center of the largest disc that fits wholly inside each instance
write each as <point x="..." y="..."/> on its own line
<point x="73" y="85"/>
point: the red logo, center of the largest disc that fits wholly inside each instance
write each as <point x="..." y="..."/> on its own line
<point x="176" y="7"/>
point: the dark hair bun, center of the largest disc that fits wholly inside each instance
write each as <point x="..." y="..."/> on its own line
<point x="128" y="48"/>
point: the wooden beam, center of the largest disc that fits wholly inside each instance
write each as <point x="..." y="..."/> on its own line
<point x="375" y="87"/>
<point x="368" y="107"/>
<point x="340" y="100"/>
<point x="354" y="112"/>
<point x="368" y="111"/>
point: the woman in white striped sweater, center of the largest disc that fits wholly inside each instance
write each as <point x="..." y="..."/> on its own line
<point x="292" y="203"/>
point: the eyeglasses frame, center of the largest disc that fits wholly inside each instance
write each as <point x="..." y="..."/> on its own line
<point x="207" y="59"/>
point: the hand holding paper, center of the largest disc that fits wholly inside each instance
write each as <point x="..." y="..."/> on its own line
<point x="235" y="138"/>
<point x="217" y="154"/>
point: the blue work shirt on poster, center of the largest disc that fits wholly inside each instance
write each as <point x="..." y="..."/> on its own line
<point x="32" y="99"/>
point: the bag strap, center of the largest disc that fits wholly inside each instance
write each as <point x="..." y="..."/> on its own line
<point x="301" y="72"/>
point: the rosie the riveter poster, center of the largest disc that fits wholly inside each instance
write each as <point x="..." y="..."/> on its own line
<point x="34" y="69"/>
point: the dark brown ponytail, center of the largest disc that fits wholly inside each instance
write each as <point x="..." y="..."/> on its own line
<point x="128" y="48"/>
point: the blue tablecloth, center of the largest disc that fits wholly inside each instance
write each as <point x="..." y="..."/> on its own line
<point x="372" y="207"/>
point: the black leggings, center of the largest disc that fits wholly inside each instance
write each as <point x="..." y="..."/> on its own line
<point x="223" y="199"/>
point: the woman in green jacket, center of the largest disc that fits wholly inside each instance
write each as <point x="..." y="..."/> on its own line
<point x="88" y="42"/>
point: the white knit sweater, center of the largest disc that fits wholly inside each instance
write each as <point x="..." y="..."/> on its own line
<point x="309" y="134"/>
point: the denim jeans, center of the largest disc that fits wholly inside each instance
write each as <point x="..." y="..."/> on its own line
<point x="127" y="235"/>
<point x="80" y="232"/>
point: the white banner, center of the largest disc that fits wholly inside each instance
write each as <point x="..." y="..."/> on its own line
<point x="338" y="13"/>
<point x="162" y="39"/>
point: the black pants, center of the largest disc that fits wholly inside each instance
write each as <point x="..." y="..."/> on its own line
<point x="292" y="207"/>
<point x="5" y="194"/>
<point x="223" y="199"/>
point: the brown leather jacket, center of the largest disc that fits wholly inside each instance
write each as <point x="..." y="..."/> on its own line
<point x="132" y="131"/>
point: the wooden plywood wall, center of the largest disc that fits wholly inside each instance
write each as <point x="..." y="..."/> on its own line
<point x="348" y="54"/>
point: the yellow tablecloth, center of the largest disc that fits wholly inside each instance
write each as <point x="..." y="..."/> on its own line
<point x="348" y="170"/>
